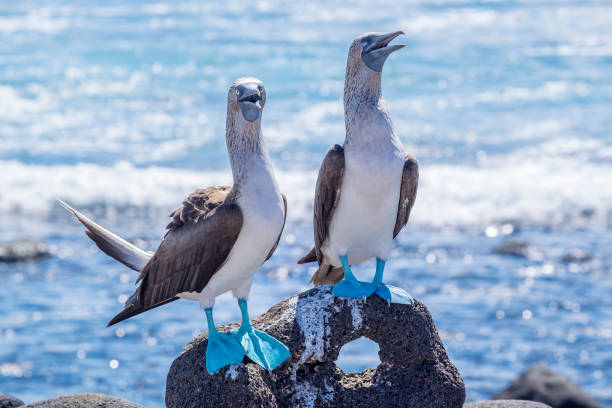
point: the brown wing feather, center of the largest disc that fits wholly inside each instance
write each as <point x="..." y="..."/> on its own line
<point x="188" y="256"/>
<point x="327" y="195"/>
<point x="281" y="231"/>
<point x="198" y="203"/>
<point x="410" y="180"/>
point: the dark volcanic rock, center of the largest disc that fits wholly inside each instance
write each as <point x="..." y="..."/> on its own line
<point x="84" y="401"/>
<point x="519" y="249"/>
<point x="506" y="404"/>
<point x="8" y="401"/>
<point x="414" y="371"/>
<point x="23" y="250"/>
<point x="541" y="384"/>
<point x="576" y="256"/>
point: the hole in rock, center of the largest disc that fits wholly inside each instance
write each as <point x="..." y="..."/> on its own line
<point x="358" y="355"/>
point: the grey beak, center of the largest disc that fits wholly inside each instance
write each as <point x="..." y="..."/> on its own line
<point x="376" y="49"/>
<point x="249" y="101"/>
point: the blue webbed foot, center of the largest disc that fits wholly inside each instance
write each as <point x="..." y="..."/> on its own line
<point x="262" y="348"/>
<point x="352" y="288"/>
<point x="393" y="294"/>
<point x="222" y="350"/>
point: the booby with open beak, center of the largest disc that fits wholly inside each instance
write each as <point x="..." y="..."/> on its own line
<point x="216" y="241"/>
<point x="366" y="188"/>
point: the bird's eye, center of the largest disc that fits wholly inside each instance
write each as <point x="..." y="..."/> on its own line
<point x="260" y="88"/>
<point x="237" y="92"/>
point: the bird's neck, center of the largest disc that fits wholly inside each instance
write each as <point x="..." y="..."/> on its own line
<point x="249" y="158"/>
<point x="362" y="87"/>
<point x="366" y="115"/>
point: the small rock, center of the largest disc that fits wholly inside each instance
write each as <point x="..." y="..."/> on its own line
<point x="23" y="250"/>
<point x="506" y="404"/>
<point x="541" y="384"/>
<point x="84" y="401"/>
<point x="576" y="256"/>
<point x="519" y="249"/>
<point x="415" y="370"/>
<point x="8" y="401"/>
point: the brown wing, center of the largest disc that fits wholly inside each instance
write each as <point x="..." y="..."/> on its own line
<point x="410" y="180"/>
<point x="327" y="195"/>
<point x="187" y="257"/>
<point x="281" y="231"/>
<point x="197" y="204"/>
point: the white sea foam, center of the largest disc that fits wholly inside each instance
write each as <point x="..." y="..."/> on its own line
<point x="525" y="186"/>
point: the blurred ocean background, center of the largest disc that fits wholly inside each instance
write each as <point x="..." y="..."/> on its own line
<point x="119" y="108"/>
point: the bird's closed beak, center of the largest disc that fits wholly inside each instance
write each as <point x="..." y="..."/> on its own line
<point x="376" y="49"/>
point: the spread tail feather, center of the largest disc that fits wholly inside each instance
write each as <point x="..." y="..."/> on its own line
<point x="112" y="245"/>
<point x="327" y="275"/>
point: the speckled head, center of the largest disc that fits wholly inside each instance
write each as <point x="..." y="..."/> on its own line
<point x="371" y="50"/>
<point x="248" y="96"/>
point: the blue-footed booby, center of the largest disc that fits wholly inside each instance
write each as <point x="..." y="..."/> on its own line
<point x="366" y="188"/>
<point x="216" y="241"/>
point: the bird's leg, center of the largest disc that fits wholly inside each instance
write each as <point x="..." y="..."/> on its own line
<point x="260" y="347"/>
<point x="222" y="349"/>
<point x="350" y="287"/>
<point x="391" y="294"/>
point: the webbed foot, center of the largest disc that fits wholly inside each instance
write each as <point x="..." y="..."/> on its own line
<point x="222" y="350"/>
<point x="262" y="348"/>
<point x="352" y="288"/>
<point x="393" y="294"/>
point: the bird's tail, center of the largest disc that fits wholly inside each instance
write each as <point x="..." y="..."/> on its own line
<point x="134" y="307"/>
<point x="112" y="245"/>
<point x="327" y="275"/>
<point x="309" y="257"/>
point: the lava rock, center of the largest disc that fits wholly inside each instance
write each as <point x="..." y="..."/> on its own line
<point x="415" y="370"/>
<point x="8" y="401"/>
<point x="506" y="404"/>
<point x="519" y="249"/>
<point x="23" y="250"/>
<point x="541" y="384"/>
<point x="84" y="401"/>
<point x="576" y="256"/>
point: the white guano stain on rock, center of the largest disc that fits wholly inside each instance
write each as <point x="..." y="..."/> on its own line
<point x="232" y="372"/>
<point x="356" y="313"/>
<point x="312" y="315"/>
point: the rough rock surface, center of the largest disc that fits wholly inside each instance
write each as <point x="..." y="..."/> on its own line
<point x="506" y="404"/>
<point x="8" y="401"/>
<point x="84" y="401"/>
<point x="23" y="250"/>
<point x="541" y="384"/>
<point x="414" y="371"/>
<point x="519" y="249"/>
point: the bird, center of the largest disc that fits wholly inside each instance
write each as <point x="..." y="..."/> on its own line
<point x="216" y="240"/>
<point x="366" y="188"/>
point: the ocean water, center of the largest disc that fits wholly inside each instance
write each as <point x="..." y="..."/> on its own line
<point x="119" y="108"/>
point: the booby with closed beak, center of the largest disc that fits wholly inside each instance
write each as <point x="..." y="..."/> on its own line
<point x="216" y="241"/>
<point x="366" y="188"/>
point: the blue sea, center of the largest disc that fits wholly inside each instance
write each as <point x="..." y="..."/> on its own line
<point x="119" y="108"/>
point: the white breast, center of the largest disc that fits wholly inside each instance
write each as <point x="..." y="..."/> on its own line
<point x="362" y="223"/>
<point x="263" y="218"/>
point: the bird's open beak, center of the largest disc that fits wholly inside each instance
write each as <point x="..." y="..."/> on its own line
<point x="377" y="49"/>
<point x="250" y="103"/>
